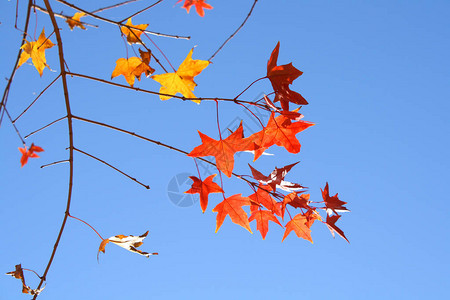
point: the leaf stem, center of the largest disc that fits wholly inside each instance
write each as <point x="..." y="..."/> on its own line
<point x="87" y="225"/>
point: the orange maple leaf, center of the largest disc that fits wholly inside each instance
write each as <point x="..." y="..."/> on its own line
<point x="133" y="35"/>
<point x="299" y="225"/>
<point x="279" y="131"/>
<point x="262" y="218"/>
<point x="223" y="149"/>
<point x="36" y="50"/>
<point x="29" y="153"/>
<point x="204" y="188"/>
<point x="133" y="67"/>
<point x="281" y="77"/>
<point x="181" y="81"/>
<point x="75" y="21"/>
<point x="295" y="200"/>
<point x="199" y="6"/>
<point x="232" y="206"/>
<point x="262" y="197"/>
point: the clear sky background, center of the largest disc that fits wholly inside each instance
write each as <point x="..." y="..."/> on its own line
<point x="376" y="75"/>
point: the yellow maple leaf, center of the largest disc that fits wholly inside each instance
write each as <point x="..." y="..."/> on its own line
<point x="36" y="50"/>
<point x="75" y="21"/>
<point x="133" y="67"/>
<point x="133" y="36"/>
<point x="182" y="81"/>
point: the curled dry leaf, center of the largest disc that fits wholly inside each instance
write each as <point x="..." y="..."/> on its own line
<point x="18" y="273"/>
<point x="133" y="35"/>
<point x="75" y="21"/>
<point x="133" y="67"/>
<point x="199" y="6"/>
<point x="181" y="81"/>
<point x="204" y="188"/>
<point x="128" y="242"/>
<point x="29" y="153"/>
<point x="36" y="51"/>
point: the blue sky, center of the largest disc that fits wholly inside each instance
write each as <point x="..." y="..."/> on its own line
<point x="376" y="75"/>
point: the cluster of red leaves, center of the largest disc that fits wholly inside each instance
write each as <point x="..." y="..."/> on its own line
<point x="29" y="153"/>
<point x="267" y="203"/>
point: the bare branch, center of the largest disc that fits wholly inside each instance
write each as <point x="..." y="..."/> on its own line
<point x="55" y="163"/>
<point x="169" y="95"/>
<point x="142" y="10"/>
<point x="40" y="94"/>
<point x="113" y="6"/>
<point x="235" y="32"/>
<point x="42" y="128"/>
<point x="112" y="167"/>
<point x="69" y="123"/>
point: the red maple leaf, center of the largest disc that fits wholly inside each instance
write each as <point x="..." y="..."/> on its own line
<point x="295" y="200"/>
<point x="223" y="150"/>
<point x="333" y="228"/>
<point x="262" y="218"/>
<point x="332" y="204"/>
<point x="199" y="6"/>
<point x="262" y="197"/>
<point x="279" y="131"/>
<point x="281" y="77"/>
<point x="232" y="206"/>
<point x="299" y="225"/>
<point x="204" y="188"/>
<point x="29" y="153"/>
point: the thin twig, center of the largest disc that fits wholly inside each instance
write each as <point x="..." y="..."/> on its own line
<point x="62" y="16"/>
<point x="141" y="11"/>
<point x="42" y="128"/>
<point x="104" y="162"/>
<point x="14" y="125"/>
<point x="162" y="94"/>
<point x="13" y="72"/>
<point x="120" y="24"/>
<point x="113" y="6"/>
<point x="55" y="163"/>
<point x="69" y="123"/>
<point x="235" y="32"/>
<point x="40" y="94"/>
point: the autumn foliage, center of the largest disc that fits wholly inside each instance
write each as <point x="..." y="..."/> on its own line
<point x="272" y="200"/>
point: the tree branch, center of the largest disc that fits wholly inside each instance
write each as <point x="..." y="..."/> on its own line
<point x="69" y="123"/>
<point x="235" y="32"/>
<point x="104" y="162"/>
